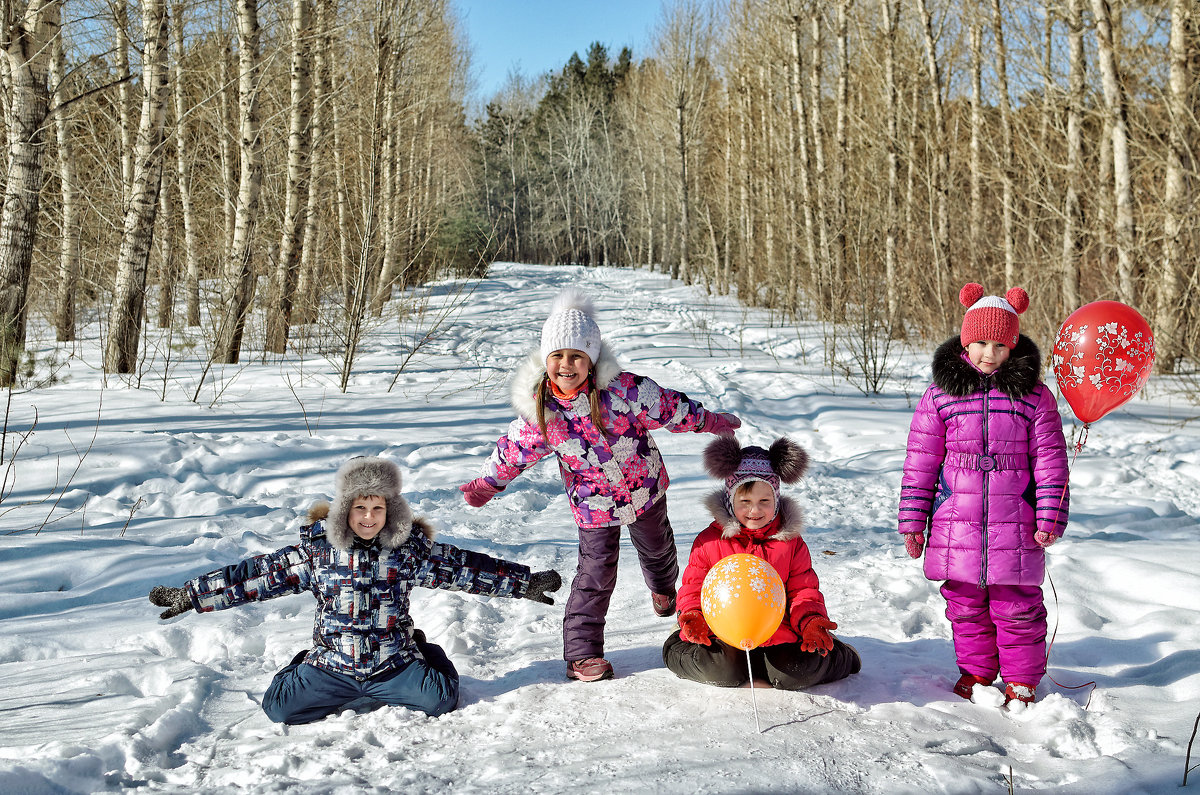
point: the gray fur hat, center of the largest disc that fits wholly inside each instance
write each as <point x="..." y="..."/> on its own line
<point x="364" y="476"/>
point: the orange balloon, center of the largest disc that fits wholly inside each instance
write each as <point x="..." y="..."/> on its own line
<point x="742" y="600"/>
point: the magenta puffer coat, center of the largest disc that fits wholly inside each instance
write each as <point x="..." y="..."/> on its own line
<point x="986" y="468"/>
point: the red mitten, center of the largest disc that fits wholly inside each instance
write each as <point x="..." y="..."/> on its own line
<point x="478" y="492"/>
<point x="1044" y="539"/>
<point x="720" y="424"/>
<point x="693" y="628"/>
<point x="914" y="543"/>
<point x="814" y="634"/>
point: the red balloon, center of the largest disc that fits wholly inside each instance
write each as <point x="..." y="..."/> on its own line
<point x="1102" y="357"/>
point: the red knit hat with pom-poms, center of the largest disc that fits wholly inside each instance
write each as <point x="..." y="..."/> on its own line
<point x="991" y="317"/>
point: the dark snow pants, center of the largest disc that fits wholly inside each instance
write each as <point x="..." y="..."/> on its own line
<point x="784" y="665"/>
<point x="303" y="693"/>
<point x="596" y="576"/>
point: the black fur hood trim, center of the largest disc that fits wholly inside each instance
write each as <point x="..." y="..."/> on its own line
<point x="1017" y="378"/>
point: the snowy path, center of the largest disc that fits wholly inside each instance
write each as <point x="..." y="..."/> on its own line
<point x="99" y="694"/>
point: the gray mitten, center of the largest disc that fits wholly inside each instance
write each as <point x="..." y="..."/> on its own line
<point x="539" y="583"/>
<point x="175" y="600"/>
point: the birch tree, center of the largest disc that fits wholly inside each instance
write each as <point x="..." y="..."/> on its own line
<point x="1168" y="313"/>
<point x="239" y="270"/>
<point x="1072" y="210"/>
<point x="129" y="291"/>
<point x="183" y="171"/>
<point x="279" y="310"/>
<point x="1116" y="115"/>
<point x="69" y="247"/>
<point x="27" y="34"/>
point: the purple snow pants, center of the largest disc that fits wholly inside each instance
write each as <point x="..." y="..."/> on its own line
<point x="596" y="576"/>
<point x="998" y="629"/>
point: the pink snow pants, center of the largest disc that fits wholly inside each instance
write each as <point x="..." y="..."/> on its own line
<point x="998" y="629"/>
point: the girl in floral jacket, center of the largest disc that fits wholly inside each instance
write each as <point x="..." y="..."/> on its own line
<point x="986" y="477"/>
<point x="361" y="559"/>
<point x="574" y="401"/>
<point x="750" y="516"/>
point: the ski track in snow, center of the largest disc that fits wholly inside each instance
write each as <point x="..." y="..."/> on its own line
<point x="102" y="695"/>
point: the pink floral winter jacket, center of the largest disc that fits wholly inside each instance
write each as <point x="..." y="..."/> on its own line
<point x="986" y="468"/>
<point x="611" y="478"/>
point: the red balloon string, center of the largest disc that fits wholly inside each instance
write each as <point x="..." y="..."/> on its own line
<point x="1078" y="447"/>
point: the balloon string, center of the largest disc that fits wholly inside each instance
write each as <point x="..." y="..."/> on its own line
<point x="1078" y="447"/>
<point x="753" y="698"/>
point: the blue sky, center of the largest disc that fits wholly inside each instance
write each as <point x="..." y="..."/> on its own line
<point x="540" y="35"/>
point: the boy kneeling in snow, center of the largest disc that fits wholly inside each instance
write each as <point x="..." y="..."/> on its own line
<point x="360" y="558"/>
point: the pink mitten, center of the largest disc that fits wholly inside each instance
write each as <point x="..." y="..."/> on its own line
<point x="478" y="492"/>
<point x="1044" y="538"/>
<point x="914" y="543"/>
<point x="814" y="634"/>
<point x="693" y="628"/>
<point x="720" y="424"/>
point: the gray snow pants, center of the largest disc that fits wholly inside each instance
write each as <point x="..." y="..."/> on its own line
<point x="596" y="576"/>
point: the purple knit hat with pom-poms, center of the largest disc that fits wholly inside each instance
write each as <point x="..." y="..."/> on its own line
<point x="785" y="461"/>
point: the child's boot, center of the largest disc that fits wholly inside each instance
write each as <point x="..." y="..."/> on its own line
<point x="966" y="685"/>
<point x="1015" y="691"/>
<point x="590" y="670"/>
<point x="664" y="604"/>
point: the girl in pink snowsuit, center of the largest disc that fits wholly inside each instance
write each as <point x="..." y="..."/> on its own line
<point x="985" y="477"/>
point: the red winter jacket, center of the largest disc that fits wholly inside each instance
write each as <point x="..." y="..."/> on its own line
<point x="785" y="551"/>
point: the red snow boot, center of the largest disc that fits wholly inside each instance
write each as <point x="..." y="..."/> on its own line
<point x="1015" y="691"/>
<point x="966" y="685"/>
<point x="590" y="670"/>
<point x="664" y="604"/>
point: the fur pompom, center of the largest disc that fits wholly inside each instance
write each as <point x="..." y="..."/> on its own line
<point x="970" y="293"/>
<point x="1018" y="299"/>
<point x="722" y="456"/>
<point x="788" y="459"/>
<point x="573" y="298"/>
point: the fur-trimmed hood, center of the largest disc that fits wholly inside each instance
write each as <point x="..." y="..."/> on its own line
<point x="529" y="374"/>
<point x="364" y="476"/>
<point x="791" y="517"/>
<point x="1017" y="377"/>
<point x="387" y="538"/>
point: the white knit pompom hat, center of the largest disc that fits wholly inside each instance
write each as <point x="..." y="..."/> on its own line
<point x="570" y="325"/>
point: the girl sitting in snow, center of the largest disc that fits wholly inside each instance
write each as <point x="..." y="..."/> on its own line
<point x="360" y="558"/>
<point x="750" y="516"/>
<point x="986" y="477"/>
<point x="573" y="400"/>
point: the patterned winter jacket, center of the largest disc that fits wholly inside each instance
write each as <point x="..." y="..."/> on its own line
<point x="785" y="550"/>
<point x="362" y="624"/>
<point x="986" y="468"/>
<point x="612" y="475"/>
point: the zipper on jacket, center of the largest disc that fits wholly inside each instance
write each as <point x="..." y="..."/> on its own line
<point x="983" y="519"/>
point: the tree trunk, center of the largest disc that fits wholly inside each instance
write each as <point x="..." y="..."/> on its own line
<point x="975" y="166"/>
<point x="1072" y="212"/>
<point x="1006" y="149"/>
<point x="166" y="251"/>
<point x="305" y="307"/>
<point x="1168" y="310"/>
<point x="891" y="21"/>
<point x="129" y="290"/>
<point x="239" y="274"/>
<point x="940" y="146"/>
<point x="68" y="258"/>
<point x="1114" y="106"/>
<point x="124" y="98"/>
<point x="183" y="173"/>
<point x="279" y="311"/>
<point x="27" y="35"/>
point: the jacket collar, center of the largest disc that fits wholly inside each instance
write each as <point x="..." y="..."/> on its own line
<point x="954" y="374"/>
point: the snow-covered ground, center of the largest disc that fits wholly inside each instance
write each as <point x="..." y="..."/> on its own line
<point x="99" y="694"/>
